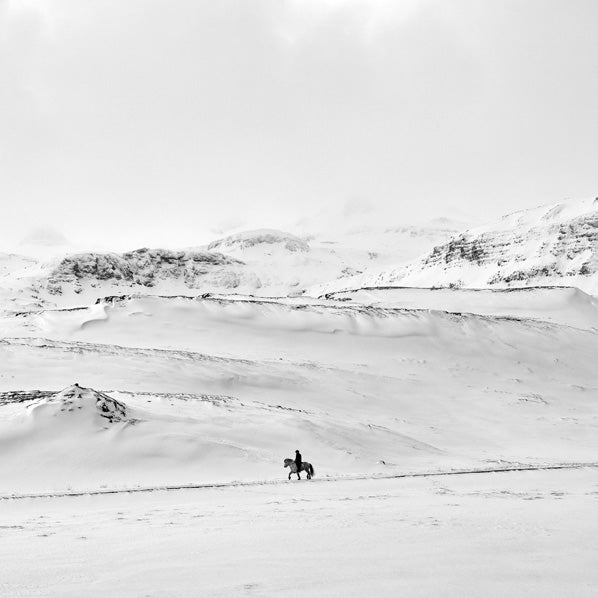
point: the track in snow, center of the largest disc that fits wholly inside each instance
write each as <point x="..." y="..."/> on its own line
<point x="177" y="487"/>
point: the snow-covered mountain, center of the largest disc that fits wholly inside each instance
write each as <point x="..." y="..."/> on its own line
<point x="289" y="264"/>
<point x="555" y="245"/>
<point x="269" y="238"/>
<point x="27" y="284"/>
<point x="549" y="245"/>
<point x="283" y="263"/>
<point x="261" y="262"/>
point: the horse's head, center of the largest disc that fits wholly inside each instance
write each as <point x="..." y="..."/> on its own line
<point x="287" y="462"/>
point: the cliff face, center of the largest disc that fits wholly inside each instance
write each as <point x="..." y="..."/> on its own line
<point x="145" y="268"/>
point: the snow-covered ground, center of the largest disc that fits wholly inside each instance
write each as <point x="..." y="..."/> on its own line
<point x="224" y="388"/>
<point x="529" y="534"/>
<point x="561" y="305"/>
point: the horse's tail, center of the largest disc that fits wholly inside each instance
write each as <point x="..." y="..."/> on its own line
<point x="311" y="470"/>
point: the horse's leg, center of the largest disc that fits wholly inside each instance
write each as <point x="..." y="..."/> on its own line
<point x="289" y="475"/>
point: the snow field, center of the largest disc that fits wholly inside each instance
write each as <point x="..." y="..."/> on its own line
<point x="219" y="390"/>
<point x="523" y="534"/>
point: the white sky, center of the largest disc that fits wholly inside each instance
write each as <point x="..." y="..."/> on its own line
<point x="146" y="122"/>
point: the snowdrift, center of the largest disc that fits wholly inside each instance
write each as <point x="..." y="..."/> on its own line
<point x="561" y="305"/>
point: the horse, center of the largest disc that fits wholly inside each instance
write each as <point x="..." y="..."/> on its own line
<point x="305" y="466"/>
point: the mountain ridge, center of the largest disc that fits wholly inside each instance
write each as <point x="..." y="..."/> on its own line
<point x="554" y="245"/>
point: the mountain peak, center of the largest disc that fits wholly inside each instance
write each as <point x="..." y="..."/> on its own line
<point x="253" y="238"/>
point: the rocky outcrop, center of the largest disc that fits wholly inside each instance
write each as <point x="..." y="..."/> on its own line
<point x="145" y="268"/>
<point x="565" y="250"/>
<point x="85" y="402"/>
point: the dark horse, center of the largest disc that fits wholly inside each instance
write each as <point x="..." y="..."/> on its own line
<point x="305" y="466"/>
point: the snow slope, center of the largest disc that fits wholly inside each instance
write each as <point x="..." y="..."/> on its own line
<point x="289" y="264"/>
<point x="562" y="305"/>
<point x="224" y="389"/>
<point x="17" y="293"/>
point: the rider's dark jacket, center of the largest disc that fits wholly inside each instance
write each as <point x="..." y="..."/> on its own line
<point x="298" y="460"/>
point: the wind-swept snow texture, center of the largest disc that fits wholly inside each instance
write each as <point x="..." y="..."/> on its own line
<point x="217" y="389"/>
<point x="561" y="305"/>
<point x="549" y="245"/>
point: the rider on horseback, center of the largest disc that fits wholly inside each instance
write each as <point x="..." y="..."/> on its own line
<point x="297" y="465"/>
<point x="298" y="460"/>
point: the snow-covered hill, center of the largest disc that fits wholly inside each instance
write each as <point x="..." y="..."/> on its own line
<point x="283" y="263"/>
<point x="79" y="279"/>
<point x="289" y="264"/>
<point x="11" y="262"/>
<point x="549" y="245"/>
<point x="223" y="388"/>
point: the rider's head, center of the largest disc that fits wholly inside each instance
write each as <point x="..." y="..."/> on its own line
<point x="297" y="451"/>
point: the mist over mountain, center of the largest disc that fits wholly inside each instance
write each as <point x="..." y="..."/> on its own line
<point x="264" y="262"/>
<point x="550" y="245"/>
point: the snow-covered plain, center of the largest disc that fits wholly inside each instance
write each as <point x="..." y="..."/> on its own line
<point x="106" y="402"/>
<point x="526" y="534"/>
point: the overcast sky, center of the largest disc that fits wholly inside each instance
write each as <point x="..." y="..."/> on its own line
<point x="147" y="122"/>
